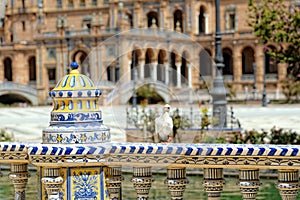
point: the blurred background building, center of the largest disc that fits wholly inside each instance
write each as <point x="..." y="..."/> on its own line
<point x="39" y="38"/>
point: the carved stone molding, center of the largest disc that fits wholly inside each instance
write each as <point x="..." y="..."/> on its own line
<point x="113" y="181"/>
<point x="288" y="184"/>
<point x="52" y="182"/>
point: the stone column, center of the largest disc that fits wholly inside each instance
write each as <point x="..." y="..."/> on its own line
<point x="113" y="181"/>
<point x="249" y="183"/>
<point x="142" y="180"/>
<point x="52" y="181"/>
<point x="176" y="182"/>
<point x="206" y="31"/>
<point x="178" y="70"/>
<point x="141" y="69"/>
<point x="190" y="78"/>
<point x="213" y="182"/>
<point x="154" y="71"/>
<point x="166" y="73"/>
<point x="288" y="184"/>
<point x="19" y="177"/>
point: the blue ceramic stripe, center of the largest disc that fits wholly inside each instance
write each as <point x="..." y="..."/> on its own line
<point x="89" y="81"/>
<point x="54" y="150"/>
<point x="102" y="151"/>
<point x="250" y="151"/>
<point x="283" y="152"/>
<point x="13" y="148"/>
<point x="272" y="152"/>
<point x="80" y="150"/>
<point x="113" y="149"/>
<point x="169" y="151"/>
<point x="21" y="147"/>
<point x="159" y="150"/>
<point x="209" y="150"/>
<point x="33" y="151"/>
<point x="68" y="150"/>
<point x="65" y="82"/>
<point x="60" y="151"/>
<point x="123" y="149"/>
<point x="92" y="150"/>
<point x="219" y="152"/>
<point x="261" y="151"/>
<point x="295" y="152"/>
<point x="179" y="150"/>
<point x="239" y="151"/>
<point x="199" y="151"/>
<point x="132" y="149"/>
<point x="188" y="152"/>
<point x="72" y="81"/>
<point x="141" y="149"/>
<point x="149" y="150"/>
<point x="81" y="81"/>
<point x="228" y="152"/>
<point x="5" y="147"/>
<point x="44" y="150"/>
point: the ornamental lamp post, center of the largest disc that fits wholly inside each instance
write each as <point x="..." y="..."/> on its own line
<point x="67" y="34"/>
<point x="264" y="95"/>
<point x="219" y="92"/>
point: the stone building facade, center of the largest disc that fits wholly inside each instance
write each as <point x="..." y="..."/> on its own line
<point x="124" y="44"/>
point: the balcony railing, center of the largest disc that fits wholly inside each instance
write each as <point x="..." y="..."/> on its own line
<point x="175" y="158"/>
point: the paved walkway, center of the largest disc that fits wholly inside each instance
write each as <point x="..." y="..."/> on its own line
<point x="27" y="124"/>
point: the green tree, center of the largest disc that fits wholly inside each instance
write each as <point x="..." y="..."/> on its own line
<point x="275" y="21"/>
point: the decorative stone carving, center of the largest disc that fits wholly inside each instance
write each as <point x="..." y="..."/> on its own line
<point x="288" y="184"/>
<point x="176" y="182"/>
<point x="142" y="180"/>
<point x="213" y="182"/>
<point x="249" y="183"/>
<point x="113" y="181"/>
<point x="19" y="176"/>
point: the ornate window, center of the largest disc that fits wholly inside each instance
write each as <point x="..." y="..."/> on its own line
<point x="32" y="69"/>
<point x="8" y="69"/>
<point x="231" y="18"/>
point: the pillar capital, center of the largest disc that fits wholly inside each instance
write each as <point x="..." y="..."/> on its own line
<point x="19" y="177"/>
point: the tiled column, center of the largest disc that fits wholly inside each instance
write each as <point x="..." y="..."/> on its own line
<point x="213" y="182"/>
<point x="288" y="184"/>
<point x="19" y="176"/>
<point x="178" y="70"/>
<point x="52" y="183"/>
<point x="142" y="180"/>
<point x="176" y="182"/>
<point x="249" y="183"/>
<point x="114" y="180"/>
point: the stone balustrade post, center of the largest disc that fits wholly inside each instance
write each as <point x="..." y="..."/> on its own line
<point x="213" y="182"/>
<point x="249" y="183"/>
<point x="113" y="181"/>
<point x="52" y="181"/>
<point x="288" y="184"/>
<point x="19" y="177"/>
<point x="176" y="182"/>
<point x="142" y="181"/>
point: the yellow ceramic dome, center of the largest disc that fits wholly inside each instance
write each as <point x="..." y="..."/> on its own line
<point x="76" y="117"/>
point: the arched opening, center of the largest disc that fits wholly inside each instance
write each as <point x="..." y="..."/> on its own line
<point x="205" y="61"/>
<point x="148" y="60"/>
<point x="173" y="72"/>
<point x="8" y="69"/>
<point x="201" y="19"/>
<point x="161" y="68"/>
<point x="247" y="60"/>
<point x="178" y="21"/>
<point x="184" y="69"/>
<point x="152" y="19"/>
<point x="112" y="73"/>
<point x="81" y="58"/>
<point x="11" y="99"/>
<point x="271" y="64"/>
<point x="32" y="68"/>
<point x="228" y="62"/>
<point x="129" y="19"/>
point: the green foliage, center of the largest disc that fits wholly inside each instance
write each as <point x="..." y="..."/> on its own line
<point x="148" y="93"/>
<point x="290" y="88"/>
<point x="273" y="21"/>
<point x="6" y="137"/>
<point x="205" y="121"/>
<point x="275" y="136"/>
